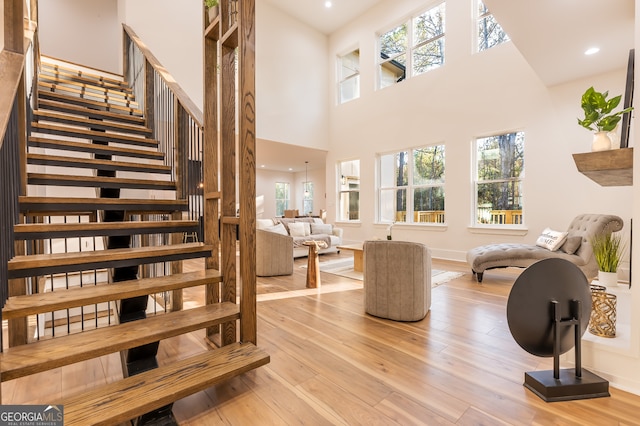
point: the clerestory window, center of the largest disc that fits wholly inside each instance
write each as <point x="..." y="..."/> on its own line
<point x="412" y="48"/>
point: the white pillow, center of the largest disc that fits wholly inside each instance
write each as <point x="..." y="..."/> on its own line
<point x="263" y="223"/>
<point x="321" y="229"/>
<point x="318" y="221"/>
<point x="551" y="240"/>
<point x="307" y="228"/>
<point x="296" y="229"/>
<point x="278" y="229"/>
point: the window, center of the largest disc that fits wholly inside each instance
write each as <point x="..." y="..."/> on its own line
<point x="416" y="45"/>
<point x="349" y="76"/>
<point x="282" y="197"/>
<point x="307" y="198"/>
<point x="349" y="195"/>
<point x="499" y="178"/>
<point x="412" y="181"/>
<point x="490" y="33"/>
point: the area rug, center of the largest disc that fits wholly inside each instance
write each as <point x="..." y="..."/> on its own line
<point x="344" y="268"/>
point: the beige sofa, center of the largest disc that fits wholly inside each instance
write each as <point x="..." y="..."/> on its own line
<point x="300" y="230"/>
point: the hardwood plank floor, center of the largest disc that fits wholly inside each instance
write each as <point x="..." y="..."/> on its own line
<point x="333" y="365"/>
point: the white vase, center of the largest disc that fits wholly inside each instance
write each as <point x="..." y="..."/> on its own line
<point x="601" y="142"/>
<point x="608" y="279"/>
<point x="213" y="12"/>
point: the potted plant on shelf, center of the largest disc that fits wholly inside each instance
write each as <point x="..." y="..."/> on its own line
<point x="598" y="116"/>
<point x="212" y="8"/>
<point x="608" y="250"/>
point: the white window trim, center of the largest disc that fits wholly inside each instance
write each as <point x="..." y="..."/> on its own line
<point x="492" y="229"/>
<point x="409" y="187"/>
<point x="410" y="44"/>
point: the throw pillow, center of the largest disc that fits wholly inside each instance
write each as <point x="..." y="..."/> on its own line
<point x="278" y="229"/>
<point x="263" y="223"/>
<point x="321" y="229"/>
<point x="296" y="229"/>
<point x="550" y="239"/>
<point x="307" y="229"/>
<point x="318" y="221"/>
<point x="571" y="245"/>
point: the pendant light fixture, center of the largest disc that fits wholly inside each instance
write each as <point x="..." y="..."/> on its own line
<point x="306" y="179"/>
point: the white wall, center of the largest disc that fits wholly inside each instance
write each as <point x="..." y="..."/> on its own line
<point x="291" y="80"/>
<point x="173" y="31"/>
<point x="81" y="31"/>
<point x="471" y="95"/>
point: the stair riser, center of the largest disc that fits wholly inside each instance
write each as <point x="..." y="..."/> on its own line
<point x="107" y="233"/>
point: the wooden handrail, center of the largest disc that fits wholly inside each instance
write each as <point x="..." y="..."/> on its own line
<point x="182" y="96"/>
<point x="11" y="69"/>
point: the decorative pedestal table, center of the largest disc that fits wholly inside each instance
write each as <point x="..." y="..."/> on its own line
<point x="313" y="264"/>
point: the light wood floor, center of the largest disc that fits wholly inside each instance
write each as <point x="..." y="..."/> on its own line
<point x="333" y="365"/>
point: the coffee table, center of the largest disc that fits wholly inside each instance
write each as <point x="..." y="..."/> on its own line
<point x="358" y="255"/>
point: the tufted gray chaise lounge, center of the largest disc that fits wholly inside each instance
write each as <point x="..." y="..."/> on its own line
<point x="504" y="255"/>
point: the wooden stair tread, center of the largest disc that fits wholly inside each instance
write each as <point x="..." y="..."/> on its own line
<point x="80" y="73"/>
<point x="21" y="306"/>
<point x="109" y="97"/>
<point x="31" y="265"/>
<point x="43" y="115"/>
<point x="86" y="229"/>
<point x="43" y="355"/>
<point x="52" y="204"/>
<point x="94" y="148"/>
<point x="54" y="129"/>
<point x="43" y="94"/>
<point x="92" y="163"/>
<point x="86" y="87"/>
<point x="101" y="81"/>
<point x="123" y="400"/>
<point x="53" y="105"/>
<point x="97" y="181"/>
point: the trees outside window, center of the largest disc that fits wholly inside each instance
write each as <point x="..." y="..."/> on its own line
<point x="499" y="179"/>
<point x="489" y="31"/>
<point x="349" y="76"/>
<point x="349" y="194"/>
<point x="416" y="45"/>
<point x="283" y="196"/>
<point x="412" y="181"/>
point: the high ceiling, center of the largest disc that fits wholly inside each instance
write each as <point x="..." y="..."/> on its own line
<point x="326" y="20"/>
<point x="552" y="36"/>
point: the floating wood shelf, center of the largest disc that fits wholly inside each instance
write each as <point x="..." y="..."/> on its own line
<point x="607" y="168"/>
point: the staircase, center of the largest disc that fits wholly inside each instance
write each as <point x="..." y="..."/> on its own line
<point x="89" y="146"/>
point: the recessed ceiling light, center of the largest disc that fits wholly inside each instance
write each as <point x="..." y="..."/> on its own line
<point x="327" y="4"/>
<point x="592" y="50"/>
<point x="263" y="166"/>
<point x="290" y="169"/>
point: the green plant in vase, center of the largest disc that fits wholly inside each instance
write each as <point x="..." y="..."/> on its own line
<point x="599" y="116"/>
<point x="212" y="8"/>
<point x="608" y="250"/>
